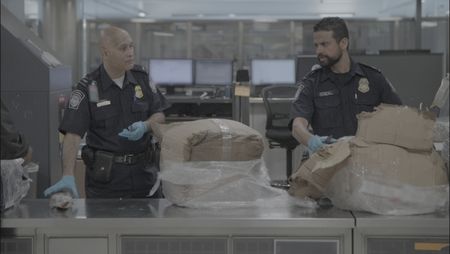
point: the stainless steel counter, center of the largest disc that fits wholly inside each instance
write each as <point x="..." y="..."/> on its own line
<point x="121" y="226"/>
<point x="434" y="220"/>
<point x="161" y="213"/>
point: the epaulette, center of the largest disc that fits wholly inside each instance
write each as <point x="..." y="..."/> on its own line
<point x="139" y="68"/>
<point x="370" y="67"/>
<point x="84" y="82"/>
<point x="312" y="72"/>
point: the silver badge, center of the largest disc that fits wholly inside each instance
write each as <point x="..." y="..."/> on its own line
<point x="75" y="99"/>
<point x="363" y="85"/>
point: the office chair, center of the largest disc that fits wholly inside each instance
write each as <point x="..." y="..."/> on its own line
<point x="277" y="101"/>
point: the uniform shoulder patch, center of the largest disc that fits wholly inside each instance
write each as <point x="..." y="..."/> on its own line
<point x="76" y="97"/>
<point x="300" y="86"/>
<point x="369" y="67"/>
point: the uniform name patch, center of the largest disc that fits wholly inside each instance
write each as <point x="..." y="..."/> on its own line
<point x="75" y="99"/>
<point x="326" y="93"/>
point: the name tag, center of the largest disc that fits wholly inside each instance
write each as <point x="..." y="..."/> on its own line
<point x="103" y="103"/>
<point x="327" y="93"/>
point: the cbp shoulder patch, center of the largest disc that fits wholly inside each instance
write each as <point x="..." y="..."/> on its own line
<point x="300" y="88"/>
<point x="75" y="99"/>
<point x="152" y="85"/>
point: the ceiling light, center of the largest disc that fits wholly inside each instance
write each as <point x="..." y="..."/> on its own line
<point x="141" y="20"/>
<point x="429" y="24"/>
<point x="389" y="18"/>
<point x="265" y="19"/>
<point x="163" y="34"/>
<point x="142" y="14"/>
<point x="341" y="15"/>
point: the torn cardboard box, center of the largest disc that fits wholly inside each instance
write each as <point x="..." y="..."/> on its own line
<point x="397" y="125"/>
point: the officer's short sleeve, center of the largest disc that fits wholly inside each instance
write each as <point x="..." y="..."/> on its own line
<point x="389" y="95"/>
<point x="303" y="106"/>
<point x="77" y="114"/>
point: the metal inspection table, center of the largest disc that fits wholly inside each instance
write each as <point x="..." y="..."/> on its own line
<point x="135" y="226"/>
<point x="418" y="234"/>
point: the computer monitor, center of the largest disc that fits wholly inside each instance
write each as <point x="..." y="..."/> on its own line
<point x="273" y="72"/>
<point x="213" y="72"/>
<point x="171" y="72"/>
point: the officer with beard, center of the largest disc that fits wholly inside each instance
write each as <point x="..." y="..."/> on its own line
<point x="329" y="97"/>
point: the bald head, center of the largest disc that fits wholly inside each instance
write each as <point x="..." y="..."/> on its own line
<point x="117" y="50"/>
<point x="110" y="36"/>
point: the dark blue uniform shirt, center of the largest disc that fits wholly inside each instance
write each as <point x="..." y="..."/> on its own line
<point x="330" y="102"/>
<point x="115" y="110"/>
<point x="103" y="119"/>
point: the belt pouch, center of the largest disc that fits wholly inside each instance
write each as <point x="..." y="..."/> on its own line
<point x="102" y="166"/>
<point x="87" y="154"/>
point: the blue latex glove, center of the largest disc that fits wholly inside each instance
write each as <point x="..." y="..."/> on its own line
<point x="66" y="183"/>
<point x="135" y="131"/>
<point x="316" y="142"/>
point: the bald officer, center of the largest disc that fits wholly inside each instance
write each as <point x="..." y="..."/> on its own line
<point x="330" y="97"/>
<point x="115" y="106"/>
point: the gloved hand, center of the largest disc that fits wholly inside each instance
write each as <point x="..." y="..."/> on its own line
<point x="316" y="142"/>
<point x="135" y="131"/>
<point x="66" y="183"/>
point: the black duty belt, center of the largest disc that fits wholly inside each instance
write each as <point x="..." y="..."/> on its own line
<point x="132" y="158"/>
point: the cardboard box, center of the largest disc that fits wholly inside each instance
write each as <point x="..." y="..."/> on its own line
<point x="210" y="140"/>
<point x="313" y="176"/>
<point x="211" y="160"/>
<point x="397" y="125"/>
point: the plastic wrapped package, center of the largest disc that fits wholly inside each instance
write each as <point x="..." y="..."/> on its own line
<point x="215" y="163"/>
<point x="390" y="180"/>
<point x="15" y="182"/>
<point x="445" y="153"/>
<point x="441" y="129"/>
<point x="61" y="200"/>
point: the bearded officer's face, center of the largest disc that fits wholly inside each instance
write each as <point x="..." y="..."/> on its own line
<point x="328" y="50"/>
<point x="119" y="51"/>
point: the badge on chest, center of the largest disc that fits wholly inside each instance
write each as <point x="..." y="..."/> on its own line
<point x="138" y="92"/>
<point x="363" y="85"/>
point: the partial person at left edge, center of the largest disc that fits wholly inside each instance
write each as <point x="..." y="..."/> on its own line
<point x="115" y="106"/>
<point x="13" y="143"/>
<point x="13" y="146"/>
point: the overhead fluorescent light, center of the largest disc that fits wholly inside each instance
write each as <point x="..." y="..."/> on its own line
<point x="428" y="24"/>
<point x="265" y="19"/>
<point x="142" y="14"/>
<point x="141" y="20"/>
<point x="389" y="18"/>
<point x="163" y="34"/>
<point x="341" y="15"/>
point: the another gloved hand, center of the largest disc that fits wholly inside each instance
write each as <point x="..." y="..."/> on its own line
<point x="135" y="131"/>
<point x="316" y="142"/>
<point x="66" y="183"/>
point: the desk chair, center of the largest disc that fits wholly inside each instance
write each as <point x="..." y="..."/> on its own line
<point x="277" y="101"/>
